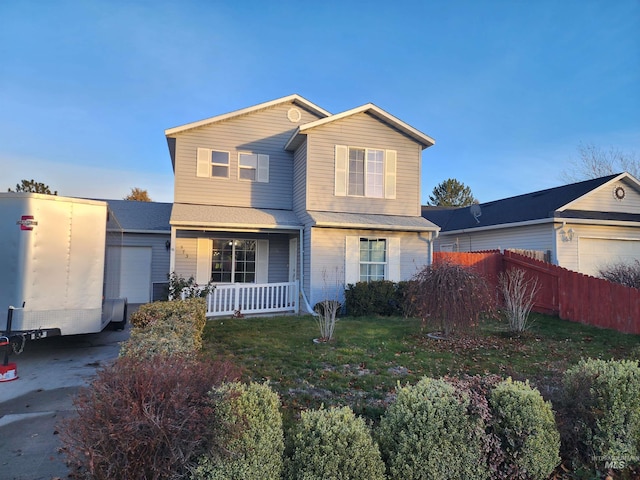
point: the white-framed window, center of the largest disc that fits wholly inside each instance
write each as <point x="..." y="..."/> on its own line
<point x="212" y="163"/>
<point x="253" y="167"/>
<point x="365" y="172"/>
<point x="232" y="260"/>
<point x="374" y="258"/>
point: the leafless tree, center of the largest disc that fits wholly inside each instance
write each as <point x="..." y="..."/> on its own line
<point x="594" y="161"/>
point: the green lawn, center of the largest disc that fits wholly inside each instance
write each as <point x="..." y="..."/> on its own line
<point x="362" y="366"/>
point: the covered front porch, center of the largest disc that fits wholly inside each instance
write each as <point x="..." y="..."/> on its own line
<point x="250" y="258"/>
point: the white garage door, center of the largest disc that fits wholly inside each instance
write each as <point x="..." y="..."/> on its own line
<point x="135" y="275"/>
<point x="597" y="253"/>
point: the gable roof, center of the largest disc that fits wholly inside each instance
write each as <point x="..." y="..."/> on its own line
<point x="141" y="217"/>
<point x="295" y="98"/>
<point x="373" y="110"/>
<point x="541" y="205"/>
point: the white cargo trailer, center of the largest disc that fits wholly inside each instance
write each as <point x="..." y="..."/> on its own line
<point x="52" y="266"/>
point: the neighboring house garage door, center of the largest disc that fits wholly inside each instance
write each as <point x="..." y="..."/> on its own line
<point x="135" y="275"/>
<point x="597" y="253"/>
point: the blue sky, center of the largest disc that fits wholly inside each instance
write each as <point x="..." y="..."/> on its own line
<point x="508" y="89"/>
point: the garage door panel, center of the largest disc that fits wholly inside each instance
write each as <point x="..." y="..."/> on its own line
<point x="595" y="254"/>
<point x="135" y="280"/>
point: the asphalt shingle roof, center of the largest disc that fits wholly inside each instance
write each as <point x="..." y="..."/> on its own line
<point x="141" y="216"/>
<point x="522" y="208"/>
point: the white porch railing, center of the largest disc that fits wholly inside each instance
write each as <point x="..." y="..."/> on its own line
<point x="252" y="298"/>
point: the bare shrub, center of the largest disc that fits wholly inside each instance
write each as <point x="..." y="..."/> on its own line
<point x="327" y="309"/>
<point x="449" y="296"/>
<point x="145" y="419"/>
<point x="627" y="274"/>
<point x="519" y="296"/>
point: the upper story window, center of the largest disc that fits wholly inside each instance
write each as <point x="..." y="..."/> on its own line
<point x="212" y="163"/>
<point x="365" y="172"/>
<point x="254" y="167"/>
<point x="217" y="164"/>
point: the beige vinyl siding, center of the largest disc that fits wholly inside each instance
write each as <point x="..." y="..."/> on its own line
<point x="263" y="132"/>
<point x="300" y="178"/>
<point x="361" y="130"/>
<point x="186" y="254"/>
<point x="603" y="200"/>
<point x="531" y="237"/>
<point x="329" y="253"/>
<point x="569" y="251"/>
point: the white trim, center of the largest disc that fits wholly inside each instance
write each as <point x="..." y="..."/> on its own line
<point x="295" y="98"/>
<point x="608" y="184"/>
<point x="424" y="140"/>
<point x="368" y="226"/>
<point x="584" y="221"/>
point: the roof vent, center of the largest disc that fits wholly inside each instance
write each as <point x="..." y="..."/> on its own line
<point x="294" y="115"/>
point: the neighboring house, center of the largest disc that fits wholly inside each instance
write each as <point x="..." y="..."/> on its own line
<point x="286" y="193"/>
<point x="583" y="226"/>
<point x="138" y="244"/>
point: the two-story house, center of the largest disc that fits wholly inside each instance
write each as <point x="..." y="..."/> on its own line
<point x="277" y="202"/>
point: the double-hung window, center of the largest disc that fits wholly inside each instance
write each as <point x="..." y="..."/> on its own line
<point x="212" y="163"/>
<point x="365" y="172"/>
<point x="253" y="167"/>
<point x="369" y="259"/>
<point x="373" y="259"/>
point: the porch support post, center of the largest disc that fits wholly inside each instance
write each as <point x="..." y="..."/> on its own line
<point x="172" y="251"/>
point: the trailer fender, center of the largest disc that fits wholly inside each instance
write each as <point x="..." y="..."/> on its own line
<point x="114" y="313"/>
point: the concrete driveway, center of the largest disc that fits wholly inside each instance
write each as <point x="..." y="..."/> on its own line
<point x="50" y="372"/>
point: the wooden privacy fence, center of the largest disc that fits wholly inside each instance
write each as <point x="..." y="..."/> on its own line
<point x="570" y="295"/>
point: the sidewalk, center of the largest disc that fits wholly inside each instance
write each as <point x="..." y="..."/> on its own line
<point x="50" y="372"/>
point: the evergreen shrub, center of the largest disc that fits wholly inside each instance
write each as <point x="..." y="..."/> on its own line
<point x="254" y="444"/>
<point x="381" y="297"/>
<point x="427" y="433"/>
<point x="601" y="409"/>
<point x="332" y="444"/>
<point x="526" y="427"/>
<point x="166" y="328"/>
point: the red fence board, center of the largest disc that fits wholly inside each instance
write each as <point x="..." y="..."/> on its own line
<point x="571" y="295"/>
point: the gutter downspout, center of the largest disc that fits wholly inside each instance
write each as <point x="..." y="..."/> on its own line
<point x="302" y="294"/>
<point x="432" y="238"/>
